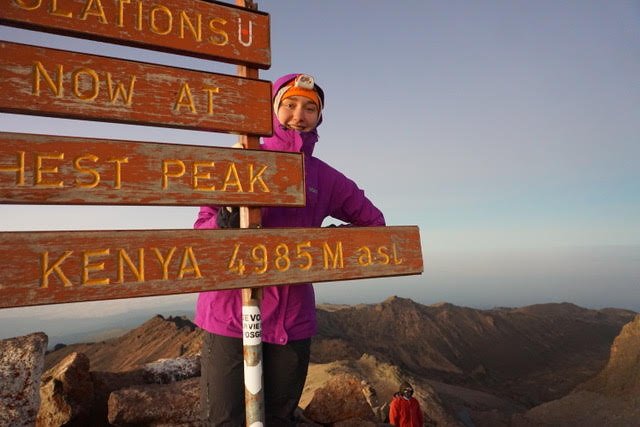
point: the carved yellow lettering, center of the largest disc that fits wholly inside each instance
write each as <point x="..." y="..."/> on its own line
<point x="232" y="179"/>
<point x="185" y="99"/>
<point x="19" y="169"/>
<point x="195" y="30"/>
<point x="383" y="252"/>
<point x="85" y="170"/>
<point x="87" y="267"/>
<point x="364" y="259"/>
<point x="123" y="257"/>
<point x="46" y="271"/>
<point x="282" y="260"/>
<point x="164" y="261"/>
<point x="220" y="37"/>
<point x="120" y="90"/>
<point x="94" y="8"/>
<point x="302" y="253"/>
<point x="38" y="72"/>
<point x="53" y="9"/>
<point x="197" y="175"/>
<point x="210" y="91"/>
<point x="117" y="176"/>
<point x="396" y="260"/>
<point x="166" y="165"/>
<point x="139" y="16"/>
<point x="93" y="83"/>
<point x="336" y="257"/>
<point x="120" y="19"/>
<point x="260" y="256"/>
<point x="40" y="170"/>
<point x="154" y="19"/>
<point x="26" y="6"/>
<point x="188" y="257"/>
<point x="257" y="178"/>
<point x="236" y="263"/>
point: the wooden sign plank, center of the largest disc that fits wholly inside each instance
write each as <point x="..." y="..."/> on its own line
<point x="50" y="82"/>
<point x="48" y="169"/>
<point x="59" y="267"/>
<point x="198" y="28"/>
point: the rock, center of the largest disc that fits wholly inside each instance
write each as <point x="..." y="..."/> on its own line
<point x="340" y="399"/>
<point x="66" y="393"/>
<point x="166" y="371"/>
<point x="381" y="411"/>
<point x="104" y="383"/>
<point x="156" y="404"/>
<point x="433" y="408"/>
<point x="160" y="372"/>
<point x="21" y="365"/>
<point x="355" y="422"/>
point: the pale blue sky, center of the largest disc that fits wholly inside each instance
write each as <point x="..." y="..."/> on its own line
<point x="508" y="131"/>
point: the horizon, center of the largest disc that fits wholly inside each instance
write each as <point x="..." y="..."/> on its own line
<point x="65" y="325"/>
<point x="507" y="132"/>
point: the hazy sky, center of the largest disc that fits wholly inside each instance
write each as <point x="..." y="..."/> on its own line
<point x="508" y="131"/>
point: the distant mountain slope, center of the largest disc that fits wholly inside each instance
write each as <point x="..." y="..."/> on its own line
<point x="621" y="376"/>
<point x="519" y="352"/>
<point x="157" y="338"/>
<point x="610" y="398"/>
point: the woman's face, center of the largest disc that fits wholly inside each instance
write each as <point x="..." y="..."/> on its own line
<point x="298" y="113"/>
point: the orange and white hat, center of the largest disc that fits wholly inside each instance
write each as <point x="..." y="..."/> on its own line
<point x="302" y="85"/>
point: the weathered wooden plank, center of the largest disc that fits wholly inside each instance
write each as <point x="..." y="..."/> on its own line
<point x="198" y="28"/>
<point x="49" y="169"/>
<point x="41" y="81"/>
<point x="58" y="267"/>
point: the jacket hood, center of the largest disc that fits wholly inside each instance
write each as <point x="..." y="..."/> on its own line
<point x="284" y="139"/>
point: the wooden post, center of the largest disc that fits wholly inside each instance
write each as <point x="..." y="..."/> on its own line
<point x="251" y="297"/>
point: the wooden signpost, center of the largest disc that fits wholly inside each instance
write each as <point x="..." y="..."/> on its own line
<point x="191" y="27"/>
<point x="50" y="82"/>
<point x="45" y="267"/>
<point x="62" y="170"/>
<point x="63" y="266"/>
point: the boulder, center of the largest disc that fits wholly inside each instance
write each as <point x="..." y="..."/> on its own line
<point x="156" y="404"/>
<point x="104" y="383"/>
<point x="66" y="393"/>
<point x="340" y="399"/>
<point x="164" y="371"/>
<point x="21" y="365"/>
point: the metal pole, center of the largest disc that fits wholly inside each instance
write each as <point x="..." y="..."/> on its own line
<point x="252" y="349"/>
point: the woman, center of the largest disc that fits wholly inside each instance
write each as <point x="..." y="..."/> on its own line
<point x="288" y="312"/>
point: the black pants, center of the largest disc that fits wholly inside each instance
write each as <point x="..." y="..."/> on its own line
<point x="222" y="380"/>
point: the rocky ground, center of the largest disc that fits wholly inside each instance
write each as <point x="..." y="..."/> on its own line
<point x="554" y="364"/>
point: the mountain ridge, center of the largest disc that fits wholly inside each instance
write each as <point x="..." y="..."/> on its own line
<point x="485" y="348"/>
<point x="486" y="365"/>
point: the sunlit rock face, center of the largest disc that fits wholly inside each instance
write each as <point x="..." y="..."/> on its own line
<point x="21" y="366"/>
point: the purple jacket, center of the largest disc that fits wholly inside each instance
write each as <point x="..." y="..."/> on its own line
<point x="288" y="312"/>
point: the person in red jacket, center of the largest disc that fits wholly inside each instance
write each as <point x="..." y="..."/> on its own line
<point x="404" y="410"/>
